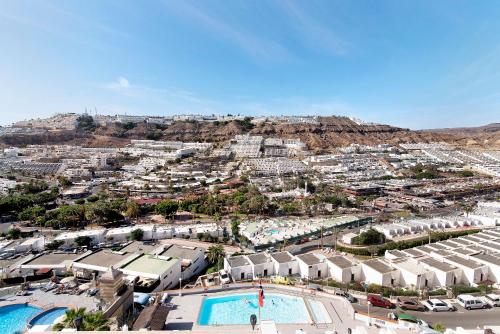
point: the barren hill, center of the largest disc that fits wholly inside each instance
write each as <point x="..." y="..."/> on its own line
<point x="331" y="132"/>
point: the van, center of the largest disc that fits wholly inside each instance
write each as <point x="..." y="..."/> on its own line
<point x="493" y="300"/>
<point x="470" y="302"/>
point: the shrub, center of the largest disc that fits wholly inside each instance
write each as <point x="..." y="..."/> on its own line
<point x="460" y="289"/>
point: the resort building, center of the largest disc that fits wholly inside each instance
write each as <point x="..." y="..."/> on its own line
<point x="153" y="273"/>
<point x="312" y="266"/>
<point x="342" y="269"/>
<point x="239" y="267"/>
<point x="379" y="272"/>
<point x="262" y="265"/>
<point x="285" y="264"/>
<point x="193" y="259"/>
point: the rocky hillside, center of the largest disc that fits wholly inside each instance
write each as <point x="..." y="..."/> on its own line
<point x="330" y="133"/>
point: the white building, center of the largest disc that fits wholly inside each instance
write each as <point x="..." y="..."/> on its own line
<point x="239" y="267"/>
<point x="97" y="236"/>
<point x="343" y="270"/>
<point x="379" y="272"/>
<point x="285" y="264"/>
<point x="262" y="265"/>
<point x="312" y="266"/>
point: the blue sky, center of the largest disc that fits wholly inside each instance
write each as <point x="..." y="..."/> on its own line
<point x="416" y="64"/>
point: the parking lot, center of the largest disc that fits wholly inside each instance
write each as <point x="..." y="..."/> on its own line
<point x="458" y="318"/>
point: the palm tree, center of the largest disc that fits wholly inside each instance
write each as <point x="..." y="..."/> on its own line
<point x="217" y="219"/>
<point x="90" y="321"/>
<point x="132" y="210"/>
<point x="69" y="319"/>
<point x="95" y="322"/>
<point x="215" y="253"/>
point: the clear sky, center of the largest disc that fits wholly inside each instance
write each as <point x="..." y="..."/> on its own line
<point x="417" y="64"/>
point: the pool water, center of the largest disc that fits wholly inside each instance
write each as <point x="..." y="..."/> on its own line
<point x="320" y="314"/>
<point x="48" y="318"/>
<point x="237" y="309"/>
<point x="13" y="318"/>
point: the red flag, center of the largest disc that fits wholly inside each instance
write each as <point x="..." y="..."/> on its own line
<point x="261" y="298"/>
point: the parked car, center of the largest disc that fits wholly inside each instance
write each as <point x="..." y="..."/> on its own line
<point x="437" y="305"/>
<point x="346" y="295"/>
<point x="379" y="301"/>
<point x="470" y="302"/>
<point x="492" y="299"/>
<point x="405" y="303"/>
<point x="224" y="277"/>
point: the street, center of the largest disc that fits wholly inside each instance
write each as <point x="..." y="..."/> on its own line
<point x="459" y="318"/>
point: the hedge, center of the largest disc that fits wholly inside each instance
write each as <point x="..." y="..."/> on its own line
<point x="380" y="250"/>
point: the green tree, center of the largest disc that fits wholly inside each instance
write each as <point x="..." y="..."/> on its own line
<point x="132" y="210"/>
<point x="167" y="208"/>
<point x="83" y="240"/>
<point x="14" y="233"/>
<point x="95" y="322"/>
<point x="31" y="213"/>
<point x="54" y="245"/>
<point x="136" y="234"/>
<point x="235" y="228"/>
<point x="215" y="254"/>
<point x="370" y="237"/>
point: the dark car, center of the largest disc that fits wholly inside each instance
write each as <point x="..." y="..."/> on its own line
<point x="346" y="295"/>
<point x="410" y="304"/>
<point x="379" y="301"/>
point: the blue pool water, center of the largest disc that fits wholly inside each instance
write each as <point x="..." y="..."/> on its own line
<point x="13" y="317"/>
<point x="319" y="312"/>
<point x="237" y="309"/>
<point x="48" y="318"/>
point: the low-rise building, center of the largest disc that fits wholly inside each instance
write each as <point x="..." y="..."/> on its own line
<point x="312" y="266"/>
<point x="285" y="264"/>
<point x="262" y="265"/>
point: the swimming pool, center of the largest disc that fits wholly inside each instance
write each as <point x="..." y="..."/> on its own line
<point x="320" y="314"/>
<point x="48" y="317"/>
<point x="13" y="317"/>
<point x="237" y="309"/>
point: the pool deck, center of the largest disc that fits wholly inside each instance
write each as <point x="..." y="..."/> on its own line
<point x="47" y="300"/>
<point x="184" y="315"/>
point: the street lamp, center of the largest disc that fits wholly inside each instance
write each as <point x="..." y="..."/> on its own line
<point x="180" y="286"/>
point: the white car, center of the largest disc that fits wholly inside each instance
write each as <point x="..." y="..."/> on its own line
<point x="224" y="277"/>
<point x="492" y="299"/>
<point x="469" y="302"/>
<point x="437" y="305"/>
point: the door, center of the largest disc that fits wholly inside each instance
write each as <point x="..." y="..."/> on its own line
<point x="352" y="278"/>
<point x="242" y="276"/>
<point x="265" y="272"/>
<point x="289" y="271"/>
<point x="319" y="273"/>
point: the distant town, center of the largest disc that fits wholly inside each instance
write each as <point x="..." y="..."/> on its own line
<point x="141" y="231"/>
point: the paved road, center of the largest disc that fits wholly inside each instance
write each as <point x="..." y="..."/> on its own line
<point x="459" y="318"/>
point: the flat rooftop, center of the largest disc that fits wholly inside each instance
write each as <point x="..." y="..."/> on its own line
<point x="378" y="266"/>
<point x="464" y="262"/>
<point x="259" y="258"/>
<point x="282" y="257"/>
<point x="182" y="252"/>
<point x="52" y="259"/>
<point x="487" y="258"/>
<point x="139" y="247"/>
<point x="104" y="258"/>
<point x="340" y="261"/>
<point x="309" y="259"/>
<point x="150" y="264"/>
<point x="413" y="252"/>
<point x="238" y="261"/>
<point x="442" y="266"/>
